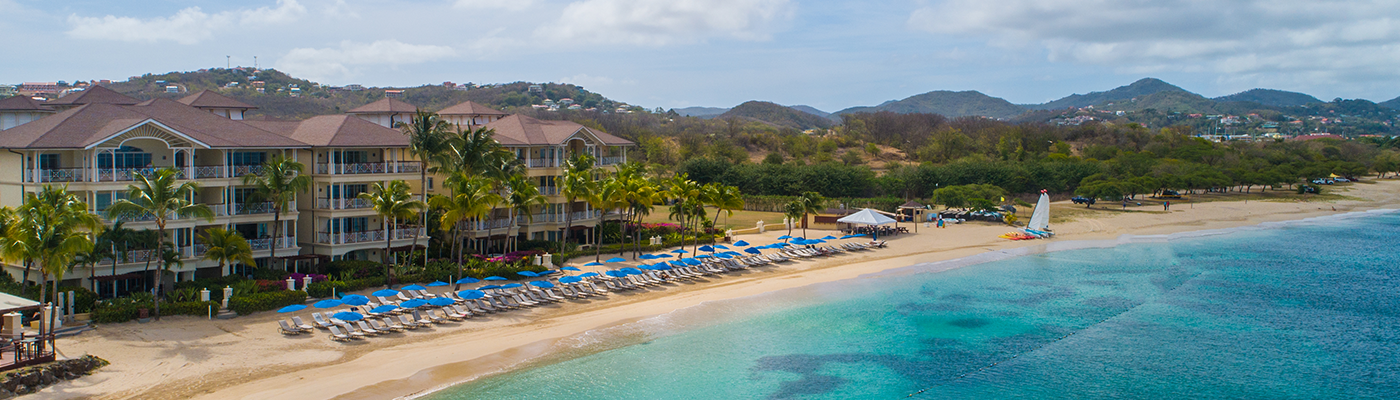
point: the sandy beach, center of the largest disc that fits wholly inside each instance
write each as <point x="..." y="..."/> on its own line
<point x="246" y="357"/>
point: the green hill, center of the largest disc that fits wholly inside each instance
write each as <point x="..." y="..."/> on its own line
<point x="276" y="101"/>
<point x="777" y="115"/>
<point x="1393" y="104"/>
<point x="1142" y="87"/>
<point x="947" y="103"/>
<point x="702" y="112"/>
<point x="1271" y="97"/>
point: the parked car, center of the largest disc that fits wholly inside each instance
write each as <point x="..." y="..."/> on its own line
<point x="1341" y="179"/>
<point x="1323" y="181"/>
<point x="1082" y="200"/>
<point x="1169" y="194"/>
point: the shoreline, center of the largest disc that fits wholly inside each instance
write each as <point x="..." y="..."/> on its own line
<point x="245" y="358"/>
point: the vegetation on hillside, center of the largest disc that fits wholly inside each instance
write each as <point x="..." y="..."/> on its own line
<point x="778" y="115"/>
<point x="1271" y="97"/>
<point x="947" y="103"/>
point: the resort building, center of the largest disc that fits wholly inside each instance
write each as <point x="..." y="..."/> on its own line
<point x="97" y="141"/>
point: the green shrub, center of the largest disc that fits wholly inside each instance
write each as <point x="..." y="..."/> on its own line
<point x="352" y="269"/>
<point x="195" y="308"/>
<point x="248" y="304"/>
<point x="270" y="274"/>
<point x="323" y="289"/>
<point x="117" y="313"/>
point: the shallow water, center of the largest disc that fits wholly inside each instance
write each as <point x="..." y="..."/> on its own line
<point x="1306" y="310"/>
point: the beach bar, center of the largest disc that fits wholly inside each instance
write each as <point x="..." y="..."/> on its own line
<point x="18" y="348"/>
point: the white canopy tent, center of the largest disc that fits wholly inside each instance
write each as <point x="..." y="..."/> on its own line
<point x="866" y="217"/>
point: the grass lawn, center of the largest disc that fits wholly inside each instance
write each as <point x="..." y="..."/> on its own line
<point x="740" y="220"/>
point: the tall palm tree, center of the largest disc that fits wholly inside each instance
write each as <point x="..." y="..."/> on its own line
<point x="278" y="184"/>
<point x="392" y="203"/>
<point x="688" y="196"/>
<point x="608" y="196"/>
<point x="14" y="251"/>
<point x="227" y="247"/>
<point x="725" y="198"/>
<point x="524" y="197"/>
<point x="470" y="198"/>
<point x="162" y="197"/>
<point x="54" y="227"/>
<point x="429" y="138"/>
<point x="792" y="210"/>
<point x="812" y="203"/>
<point x="504" y="165"/>
<point x="578" y="183"/>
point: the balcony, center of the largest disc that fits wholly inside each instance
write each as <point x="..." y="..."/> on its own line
<point x="390" y="167"/>
<point x="60" y="175"/>
<point x="549" y="190"/>
<point x="243" y="170"/>
<point x="541" y="163"/>
<point x="377" y="235"/>
<point x="603" y="161"/>
<point x="266" y="243"/>
<point x="210" y="171"/>
<point x="343" y="204"/>
<point x="559" y="218"/>
<point x="253" y="208"/>
<point x="489" y="224"/>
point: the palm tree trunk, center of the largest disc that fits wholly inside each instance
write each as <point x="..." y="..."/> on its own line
<point x="276" y="235"/>
<point x="388" y="235"/>
<point x="422" y="216"/>
<point x="43" y="288"/>
<point x="160" y="274"/>
<point x="598" y="240"/>
<point x="24" y="282"/>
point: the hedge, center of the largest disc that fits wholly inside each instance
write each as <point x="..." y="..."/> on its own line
<point x="323" y="289"/>
<point x="111" y="314"/>
<point x="248" y="304"/>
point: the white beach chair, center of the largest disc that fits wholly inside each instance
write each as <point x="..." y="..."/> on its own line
<point x="336" y="335"/>
<point x="287" y="329"/>
<point x="299" y="324"/>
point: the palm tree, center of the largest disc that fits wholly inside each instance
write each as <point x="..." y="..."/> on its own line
<point x="392" y="203"/>
<point x="688" y="196"/>
<point x="428" y="139"/>
<point x="470" y="199"/>
<point x="639" y="196"/>
<point x="792" y="210"/>
<point x="725" y="198"/>
<point x="504" y="165"/>
<point x="227" y="247"/>
<point x="52" y="229"/>
<point x="279" y="183"/>
<point x="812" y="203"/>
<point x="577" y="184"/>
<point x="161" y="197"/>
<point x="524" y="196"/>
<point x="608" y="196"/>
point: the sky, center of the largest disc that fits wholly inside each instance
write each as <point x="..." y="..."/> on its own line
<point x="719" y="53"/>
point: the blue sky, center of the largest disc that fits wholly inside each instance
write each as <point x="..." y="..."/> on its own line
<point x="679" y="53"/>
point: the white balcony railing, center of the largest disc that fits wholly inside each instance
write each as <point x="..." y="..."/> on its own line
<point x="549" y="190"/>
<point x="242" y="170"/>
<point x="541" y="163"/>
<point x="609" y="160"/>
<point x="390" y="167"/>
<point x="253" y="208"/>
<point x="377" y="235"/>
<point x="353" y="203"/>
<point x="489" y="224"/>
<point x="61" y="175"/>
<point x="209" y="171"/>
<point x="266" y="243"/>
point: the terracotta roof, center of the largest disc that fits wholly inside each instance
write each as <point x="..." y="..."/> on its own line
<point x="469" y="108"/>
<point x="212" y="99"/>
<point x="522" y="130"/>
<point x="384" y="106"/>
<point x="88" y="124"/>
<point x="22" y="103"/>
<point x="911" y="204"/>
<point x="336" y="131"/>
<point x="94" y="94"/>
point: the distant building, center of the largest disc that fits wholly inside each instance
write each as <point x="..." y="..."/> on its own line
<point x="394" y="93"/>
<point x="449" y="85"/>
<point x="536" y="88"/>
<point x="38" y="88"/>
<point x="7" y="90"/>
<point x="19" y="110"/>
<point x="470" y="114"/>
<point x="172" y="89"/>
<point x="566" y="101"/>
<point x="354" y="87"/>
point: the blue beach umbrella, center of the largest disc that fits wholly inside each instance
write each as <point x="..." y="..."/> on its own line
<point x="679" y="251"/>
<point x="664" y="256"/>
<point x="593" y="264"/>
<point x="355" y="300"/>
<point x="489" y="287"/>
<point x="438" y="283"/>
<point x="616" y="259"/>
<point x="413" y="287"/>
<point x="690" y="261"/>
<point x="441" y="301"/>
<point x="348" y="316"/>
<point x="413" y="303"/>
<point x="724" y="256"/>
<point x="385" y="293"/>
<point x="615" y="274"/>
<point x="511" y="286"/>
<point x="662" y="266"/>
<point x="468" y="280"/>
<point x="471" y="294"/>
<point x="784" y="237"/>
<point x="828" y="237"/>
<point x="630" y="271"/>
<point x="292" y="308"/>
<point x="542" y="284"/>
<point x="495" y="278"/>
<point x="570" y="269"/>
<point x="704" y="256"/>
<point x="588" y="274"/>
<point x="741" y="243"/>
<point x="384" y="308"/>
<point x="327" y="304"/>
<point x="647" y="257"/>
<point x="570" y="279"/>
<point x="753" y="250"/>
<point x="527" y="273"/>
<point x="720" y="246"/>
<point x="546" y="272"/>
<point x="706" y="248"/>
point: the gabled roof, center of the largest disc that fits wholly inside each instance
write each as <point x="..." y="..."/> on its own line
<point x="911" y="204"/>
<point x="384" y="106"/>
<point x="94" y="94"/>
<point x="212" y="99"/>
<point x="22" y="103"/>
<point x="90" y="124"/>
<point x="336" y="131"/>
<point x="470" y="108"/>
<point x="522" y="130"/>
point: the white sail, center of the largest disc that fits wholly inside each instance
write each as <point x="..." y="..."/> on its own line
<point x="1040" y="218"/>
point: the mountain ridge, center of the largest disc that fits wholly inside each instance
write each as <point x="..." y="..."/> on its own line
<point x="947" y="103"/>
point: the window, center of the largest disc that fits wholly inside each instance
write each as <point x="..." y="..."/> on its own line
<point x="104" y="199"/>
<point x="353" y="190"/>
<point x="247" y="158"/>
<point x="430" y="183"/>
<point x="351" y="157"/>
<point x="124" y="157"/>
<point x="360" y="224"/>
<point x="48" y="161"/>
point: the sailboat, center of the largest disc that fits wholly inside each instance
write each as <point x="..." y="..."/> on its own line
<point x="1039" y="225"/>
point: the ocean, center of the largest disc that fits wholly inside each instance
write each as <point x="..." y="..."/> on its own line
<point x="1302" y="310"/>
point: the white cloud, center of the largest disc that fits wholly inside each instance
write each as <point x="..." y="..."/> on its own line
<point x="1258" y="40"/>
<point x="188" y="26"/>
<point x="330" y="63"/>
<point x="507" y="5"/>
<point x="661" y="22"/>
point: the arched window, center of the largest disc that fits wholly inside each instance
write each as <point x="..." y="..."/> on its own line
<point x="124" y="157"/>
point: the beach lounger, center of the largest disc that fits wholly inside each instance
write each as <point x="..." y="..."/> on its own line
<point x="450" y="314"/>
<point x="424" y="294"/>
<point x="462" y="312"/>
<point x="408" y="322"/>
<point x="480" y="306"/>
<point x="320" y="320"/>
<point x="296" y="321"/>
<point x="613" y="287"/>
<point x="351" y="329"/>
<point x="336" y="335"/>
<point x="499" y="303"/>
<point x="366" y="328"/>
<point x="431" y="317"/>
<point x="522" y="300"/>
<point x="392" y="325"/>
<point x="378" y="326"/>
<point x="595" y="288"/>
<point x="287" y="329"/>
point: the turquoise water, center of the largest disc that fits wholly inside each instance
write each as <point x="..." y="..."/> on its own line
<point x="1306" y="310"/>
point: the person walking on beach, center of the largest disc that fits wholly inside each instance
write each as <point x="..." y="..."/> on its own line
<point x="1166" y="206"/>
